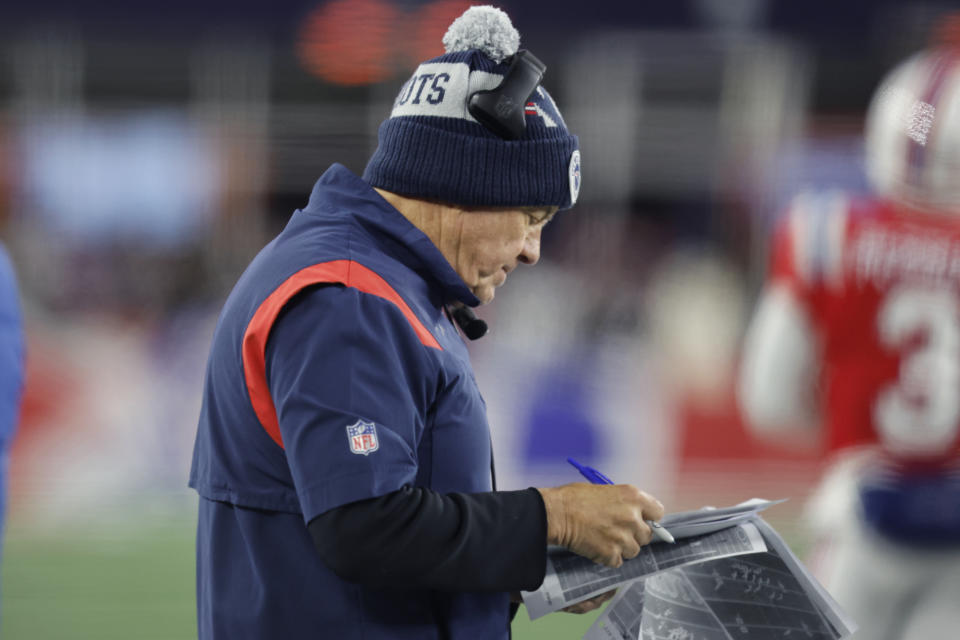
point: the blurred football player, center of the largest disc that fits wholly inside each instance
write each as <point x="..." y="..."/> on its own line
<point x="11" y="367"/>
<point x="858" y="331"/>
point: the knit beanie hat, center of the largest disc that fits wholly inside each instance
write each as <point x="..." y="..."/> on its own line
<point x="431" y="147"/>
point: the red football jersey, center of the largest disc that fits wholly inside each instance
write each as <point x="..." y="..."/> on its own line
<point x="881" y="286"/>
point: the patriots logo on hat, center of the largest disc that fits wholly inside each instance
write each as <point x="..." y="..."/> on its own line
<point x="362" y="436"/>
<point x="574" y="176"/>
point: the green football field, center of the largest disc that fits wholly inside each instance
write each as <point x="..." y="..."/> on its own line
<point x="111" y="578"/>
<point x="133" y="583"/>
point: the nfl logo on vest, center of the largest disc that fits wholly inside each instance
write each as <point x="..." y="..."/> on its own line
<point x="362" y="437"/>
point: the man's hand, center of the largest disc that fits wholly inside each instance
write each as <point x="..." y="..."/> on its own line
<point x="589" y="605"/>
<point x="602" y="522"/>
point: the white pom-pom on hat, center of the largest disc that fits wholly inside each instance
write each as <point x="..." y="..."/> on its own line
<point x="485" y="28"/>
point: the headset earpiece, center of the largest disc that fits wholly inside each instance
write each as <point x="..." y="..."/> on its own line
<point x="502" y="109"/>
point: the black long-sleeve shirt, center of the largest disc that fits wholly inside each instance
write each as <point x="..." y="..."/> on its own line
<point x="418" y="538"/>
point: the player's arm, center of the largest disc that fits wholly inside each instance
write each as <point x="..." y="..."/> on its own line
<point x="779" y="367"/>
<point x="11" y="353"/>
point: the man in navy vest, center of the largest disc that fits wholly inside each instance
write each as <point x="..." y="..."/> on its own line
<point x="343" y="456"/>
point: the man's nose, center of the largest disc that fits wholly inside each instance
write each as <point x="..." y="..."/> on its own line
<point x="530" y="254"/>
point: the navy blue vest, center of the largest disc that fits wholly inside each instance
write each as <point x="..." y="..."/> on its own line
<point x="366" y="388"/>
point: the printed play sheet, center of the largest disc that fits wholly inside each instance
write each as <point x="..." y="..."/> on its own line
<point x="759" y="596"/>
<point x="571" y="578"/>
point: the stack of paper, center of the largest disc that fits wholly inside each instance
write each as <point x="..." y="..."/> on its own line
<point x="728" y="576"/>
<point x="686" y="524"/>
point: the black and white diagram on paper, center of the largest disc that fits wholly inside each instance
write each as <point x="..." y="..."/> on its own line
<point x="768" y="595"/>
<point x="571" y="578"/>
<point x="623" y="615"/>
<point x="752" y="596"/>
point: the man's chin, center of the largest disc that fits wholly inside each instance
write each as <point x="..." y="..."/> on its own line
<point x="485" y="293"/>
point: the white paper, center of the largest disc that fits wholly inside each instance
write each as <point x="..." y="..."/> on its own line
<point x="760" y="596"/>
<point x="571" y="578"/>
<point x="708" y="519"/>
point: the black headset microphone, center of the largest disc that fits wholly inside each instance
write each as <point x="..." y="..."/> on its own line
<point x="501" y="110"/>
<point x="472" y="326"/>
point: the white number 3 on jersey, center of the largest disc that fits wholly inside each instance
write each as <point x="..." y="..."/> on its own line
<point x="920" y="413"/>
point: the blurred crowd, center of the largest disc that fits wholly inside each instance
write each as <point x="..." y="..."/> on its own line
<point x="145" y="157"/>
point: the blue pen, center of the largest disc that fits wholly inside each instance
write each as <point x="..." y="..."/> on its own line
<point x="596" y="477"/>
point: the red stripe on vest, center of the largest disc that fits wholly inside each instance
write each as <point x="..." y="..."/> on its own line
<point x="346" y="272"/>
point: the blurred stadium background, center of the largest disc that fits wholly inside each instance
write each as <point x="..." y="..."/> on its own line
<point x="147" y="152"/>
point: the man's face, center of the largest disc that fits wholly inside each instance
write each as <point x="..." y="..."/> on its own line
<point x="493" y="241"/>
